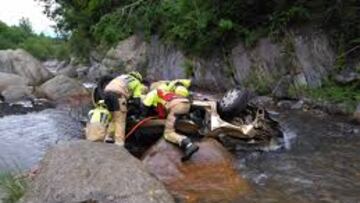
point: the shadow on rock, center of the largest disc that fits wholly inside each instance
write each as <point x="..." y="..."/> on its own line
<point x="209" y="176"/>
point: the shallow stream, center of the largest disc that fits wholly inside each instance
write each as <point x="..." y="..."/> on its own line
<point x="321" y="162"/>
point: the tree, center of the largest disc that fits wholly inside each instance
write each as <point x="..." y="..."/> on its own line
<point x="25" y="25"/>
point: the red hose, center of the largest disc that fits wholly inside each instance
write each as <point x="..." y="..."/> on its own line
<point x="133" y="129"/>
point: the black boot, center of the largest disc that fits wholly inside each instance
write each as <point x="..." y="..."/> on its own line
<point x="188" y="148"/>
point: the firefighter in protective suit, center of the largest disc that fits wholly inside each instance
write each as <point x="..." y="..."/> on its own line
<point x="171" y="101"/>
<point x="116" y="94"/>
<point x="99" y="120"/>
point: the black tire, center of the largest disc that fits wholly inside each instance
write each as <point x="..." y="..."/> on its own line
<point x="98" y="91"/>
<point x="233" y="103"/>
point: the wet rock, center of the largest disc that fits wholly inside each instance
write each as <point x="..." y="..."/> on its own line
<point x="61" y="88"/>
<point x="209" y="176"/>
<point x="357" y="114"/>
<point x="347" y="76"/>
<point x="84" y="171"/>
<point x="8" y="80"/>
<point x="23" y="64"/>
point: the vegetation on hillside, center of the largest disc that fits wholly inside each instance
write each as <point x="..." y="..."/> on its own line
<point x="40" y="46"/>
<point x="200" y="25"/>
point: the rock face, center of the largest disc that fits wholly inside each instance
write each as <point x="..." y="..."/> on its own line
<point x="83" y="171"/>
<point x="62" y="87"/>
<point x="23" y="64"/>
<point x="299" y="59"/>
<point x="208" y="177"/>
<point x="128" y="55"/>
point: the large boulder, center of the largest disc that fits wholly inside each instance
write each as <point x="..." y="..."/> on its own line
<point x="84" y="171"/>
<point x="7" y="80"/>
<point x="22" y="63"/>
<point x="209" y="176"/>
<point x="61" y="88"/>
<point x="128" y="55"/>
<point x="165" y="61"/>
<point x="17" y="92"/>
<point x="96" y="71"/>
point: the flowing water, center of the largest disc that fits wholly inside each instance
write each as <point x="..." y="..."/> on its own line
<point x="24" y="138"/>
<point x="320" y="161"/>
<point x="320" y="164"/>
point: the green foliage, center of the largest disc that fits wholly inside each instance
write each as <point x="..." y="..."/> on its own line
<point x="280" y="20"/>
<point x="40" y="46"/>
<point x="13" y="187"/>
<point x="332" y="92"/>
<point x="188" y="67"/>
<point x="258" y="83"/>
<point x="199" y="26"/>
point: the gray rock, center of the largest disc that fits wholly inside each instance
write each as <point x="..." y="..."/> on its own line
<point x="298" y="105"/>
<point x="84" y="171"/>
<point x="263" y="101"/>
<point x="212" y="74"/>
<point x="96" y="71"/>
<point x="22" y="63"/>
<point x="81" y="71"/>
<point x="69" y="71"/>
<point x="62" y="87"/>
<point x="285" y="104"/>
<point x="347" y="76"/>
<point x="7" y="80"/>
<point x="315" y="57"/>
<point x="129" y="54"/>
<point x="17" y="93"/>
<point x="165" y="61"/>
<point x="309" y="60"/>
<point x="281" y="89"/>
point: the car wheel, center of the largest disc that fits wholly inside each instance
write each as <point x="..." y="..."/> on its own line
<point x="233" y="103"/>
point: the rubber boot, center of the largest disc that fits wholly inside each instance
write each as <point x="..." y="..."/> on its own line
<point x="188" y="148"/>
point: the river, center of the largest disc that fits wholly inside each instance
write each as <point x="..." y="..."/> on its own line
<point x="321" y="162"/>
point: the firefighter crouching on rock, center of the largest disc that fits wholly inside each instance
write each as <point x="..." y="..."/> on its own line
<point x="99" y="120"/>
<point x="116" y="94"/>
<point x="173" y="101"/>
